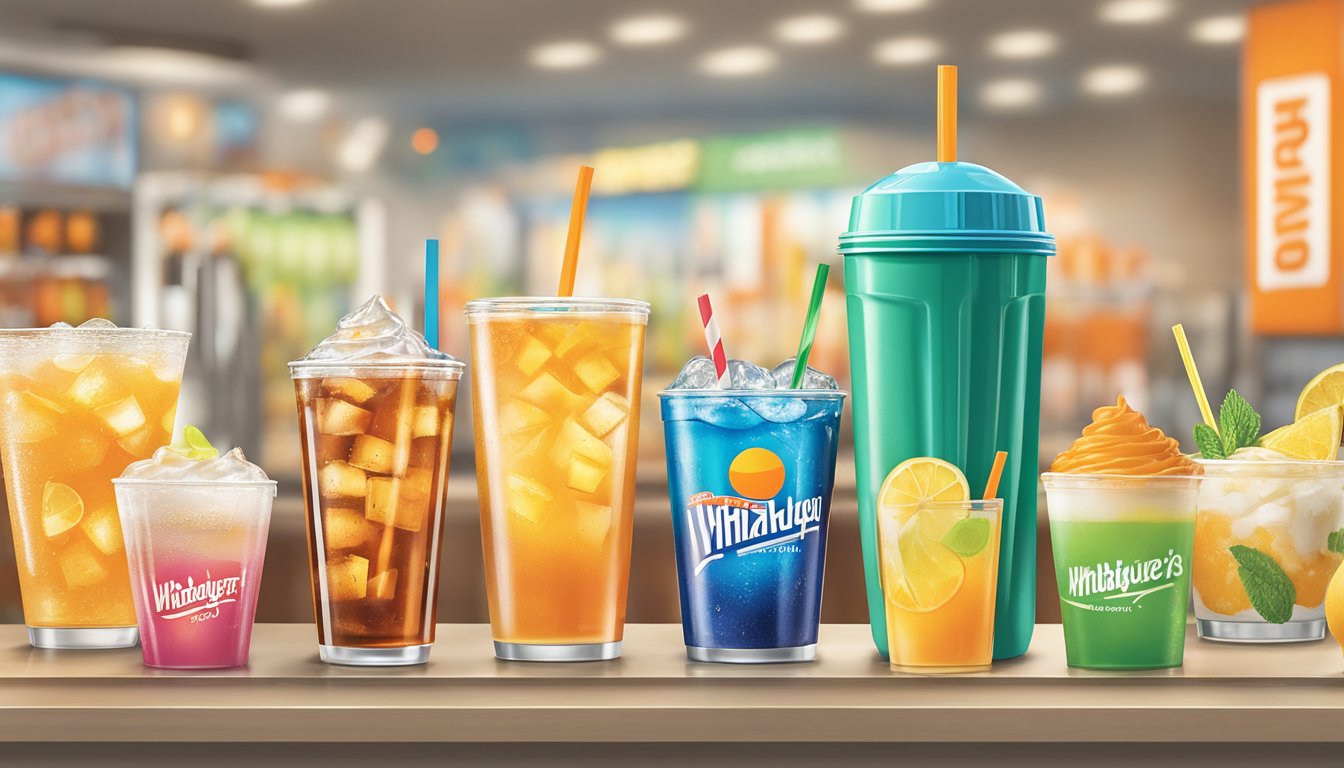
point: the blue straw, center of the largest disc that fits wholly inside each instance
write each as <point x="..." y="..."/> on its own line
<point x="432" y="293"/>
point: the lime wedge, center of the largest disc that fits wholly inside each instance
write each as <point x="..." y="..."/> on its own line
<point x="195" y="446"/>
<point x="968" y="537"/>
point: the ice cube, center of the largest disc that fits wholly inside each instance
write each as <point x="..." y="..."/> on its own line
<point x="580" y="339"/>
<point x="532" y="354"/>
<point x="782" y="375"/>
<point x="384" y="585"/>
<point x="596" y="372"/>
<point x="80" y="566"/>
<point x="584" y="475"/>
<point x="605" y="414"/>
<point x="424" y="452"/>
<point x="573" y="440"/>
<point x="71" y="363"/>
<point x="521" y="446"/>
<point x="340" y="480"/>
<point x="745" y="375"/>
<point x="337" y="417"/>
<point x="123" y="417"/>
<point x="781" y="410"/>
<point x="547" y="393"/>
<point x="518" y="416"/>
<point x="373" y="454"/>
<point x="95" y="387"/>
<point x="727" y="413"/>
<point x="87" y="449"/>
<point x="334" y="447"/>
<point x="96" y="324"/>
<point x="389" y="504"/>
<point x="347" y="577"/>
<point x="698" y="373"/>
<point x="141" y="442"/>
<point x="169" y="420"/>
<point x="32" y="418"/>
<point x="425" y="421"/>
<point x="350" y="390"/>
<point x="103" y="527"/>
<point x="418" y="483"/>
<point x="345" y="528"/>
<point x="593" y="521"/>
<point x="525" y="497"/>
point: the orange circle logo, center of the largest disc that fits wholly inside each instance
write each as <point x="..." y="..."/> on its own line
<point x="756" y="474"/>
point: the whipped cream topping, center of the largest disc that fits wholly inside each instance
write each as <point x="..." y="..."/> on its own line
<point x="169" y="466"/>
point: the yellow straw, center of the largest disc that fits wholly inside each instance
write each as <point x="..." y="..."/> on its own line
<point x="947" y="113"/>
<point x="1193" y="373"/>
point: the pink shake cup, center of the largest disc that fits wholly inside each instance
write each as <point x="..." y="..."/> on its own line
<point x="195" y="528"/>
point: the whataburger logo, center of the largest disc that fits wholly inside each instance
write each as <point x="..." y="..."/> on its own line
<point x="721" y="525"/>
<point x="192" y="598"/>
<point x="1124" y="584"/>
<point x="1292" y="166"/>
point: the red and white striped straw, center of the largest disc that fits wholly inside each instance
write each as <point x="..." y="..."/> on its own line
<point x="715" y="341"/>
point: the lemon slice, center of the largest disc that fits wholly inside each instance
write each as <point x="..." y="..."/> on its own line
<point x="1314" y="437"/>
<point x="1325" y="390"/>
<point x="62" y="508"/>
<point x="922" y="574"/>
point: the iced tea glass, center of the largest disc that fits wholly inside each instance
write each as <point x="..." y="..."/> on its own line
<point x="376" y="446"/>
<point x="556" y="387"/>
<point x="79" y="406"/>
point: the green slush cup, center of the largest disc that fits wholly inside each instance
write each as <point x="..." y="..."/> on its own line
<point x="945" y="280"/>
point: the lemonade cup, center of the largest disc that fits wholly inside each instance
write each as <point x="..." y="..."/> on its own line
<point x="1283" y="510"/>
<point x="940" y="565"/>
<point x="79" y="406"/>
<point x="1122" y="549"/>
<point x="556" y="390"/>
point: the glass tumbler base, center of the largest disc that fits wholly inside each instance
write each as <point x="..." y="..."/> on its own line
<point x="940" y="670"/>
<point x="83" y="638"/>
<point x="1256" y="632"/>
<point x="374" y="657"/>
<point x="752" y="655"/>
<point x="579" y="652"/>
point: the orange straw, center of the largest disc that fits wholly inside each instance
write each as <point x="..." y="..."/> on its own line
<point x="947" y="113"/>
<point x="995" y="473"/>
<point x="576" y="213"/>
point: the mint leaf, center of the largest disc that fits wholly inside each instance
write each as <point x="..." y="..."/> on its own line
<point x="1238" y="423"/>
<point x="968" y="536"/>
<point x="194" y="445"/>
<point x="1210" y="444"/>
<point x="1335" y="542"/>
<point x="1271" y="592"/>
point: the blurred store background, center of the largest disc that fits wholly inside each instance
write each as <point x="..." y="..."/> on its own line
<point x="249" y="170"/>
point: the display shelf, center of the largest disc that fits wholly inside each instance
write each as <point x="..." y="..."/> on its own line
<point x="1225" y="693"/>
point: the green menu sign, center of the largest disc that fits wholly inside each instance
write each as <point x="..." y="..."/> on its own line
<point x="783" y="159"/>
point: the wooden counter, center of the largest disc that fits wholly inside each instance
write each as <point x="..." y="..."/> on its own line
<point x="1225" y="694"/>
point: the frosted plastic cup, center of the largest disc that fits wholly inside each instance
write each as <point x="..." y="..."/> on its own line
<point x="195" y="550"/>
<point x="77" y="406"/>
<point x="1122" y="549"/>
<point x="1283" y="509"/>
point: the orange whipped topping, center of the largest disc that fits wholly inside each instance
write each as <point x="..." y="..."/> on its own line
<point x="1120" y="441"/>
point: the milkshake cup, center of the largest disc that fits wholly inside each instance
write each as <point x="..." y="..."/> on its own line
<point x="1121" y="504"/>
<point x="195" y="542"/>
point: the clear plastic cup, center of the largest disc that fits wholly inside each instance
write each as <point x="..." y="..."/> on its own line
<point x="77" y="406"/>
<point x="196" y="550"/>
<point x="1122" y="548"/>
<point x="940" y="572"/>
<point x="1285" y="510"/>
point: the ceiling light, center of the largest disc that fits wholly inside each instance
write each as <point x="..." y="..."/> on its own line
<point x="1114" y="80"/>
<point x="1218" y="30"/>
<point x="737" y="62"/>
<point x="425" y="140"/>
<point x="906" y="50"/>
<point x="1011" y="93"/>
<point x="361" y="146"/>
<point x="1135" y="11"/>
<point x="889" y="6"/>
<point x="304" y="105"/>
<point x="568" y="54"/>
<point x="1023" y="44"/>
<point x="648" y="30"/>
<point x="811" y="29"/>
<point x="280" y="3"/>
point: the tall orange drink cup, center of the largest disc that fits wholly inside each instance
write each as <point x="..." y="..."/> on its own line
<point x="79" y="406"/>
<point x="556" y="386"/>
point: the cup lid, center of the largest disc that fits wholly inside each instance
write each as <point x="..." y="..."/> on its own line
<point x="947" y="207"/>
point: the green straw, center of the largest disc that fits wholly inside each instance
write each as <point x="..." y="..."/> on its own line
<point x="810" y="325"/>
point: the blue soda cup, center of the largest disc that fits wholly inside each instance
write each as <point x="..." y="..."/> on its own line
<point x="750" y="475"/>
